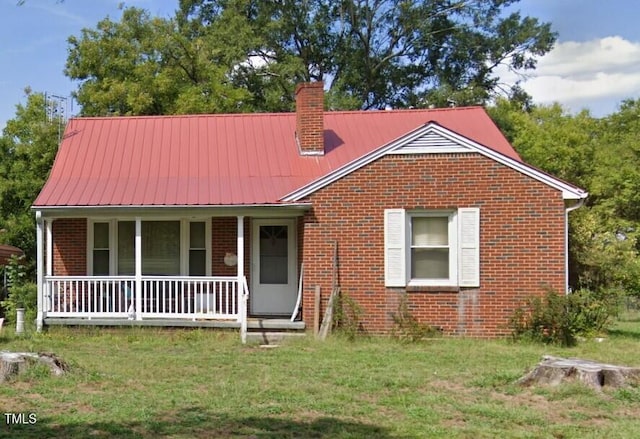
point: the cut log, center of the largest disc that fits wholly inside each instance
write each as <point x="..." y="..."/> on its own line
<point x="14" y="363"/>
<point x="554" y="371"/>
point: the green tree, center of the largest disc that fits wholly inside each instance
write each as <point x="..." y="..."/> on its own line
<point x="247" y="55"/>
<point x="143" y="65"/>
<point x="27" y="149"/>
<point x="602" y="156"/>
<point x="550" y="138"/>
<point x="616" y="183"/>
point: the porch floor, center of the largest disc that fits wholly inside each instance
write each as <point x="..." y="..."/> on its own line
<point x="252" y="323"/>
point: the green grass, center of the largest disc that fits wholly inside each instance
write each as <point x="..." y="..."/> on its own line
<point x="148" y="383"/>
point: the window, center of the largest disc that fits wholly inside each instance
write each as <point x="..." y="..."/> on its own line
<point x="175" y="247"/>
<point x="430" y="247"/>
<point x="161" y="247"/>
<point x="126" y="248"/>
<point x="100" y="251"/>
<point x="197" y="249"/>
<point x="434" y="248"/>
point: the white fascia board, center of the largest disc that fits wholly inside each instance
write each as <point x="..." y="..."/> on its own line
<point x="569" y="192"/>
<point x="173" y="211"/>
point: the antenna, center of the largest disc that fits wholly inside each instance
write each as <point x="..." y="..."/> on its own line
<point x="57" y="108"/>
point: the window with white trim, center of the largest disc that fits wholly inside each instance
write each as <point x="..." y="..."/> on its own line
<point x="197" y="249"/>
<point x="100" y="249"/>
<point x="165" y="245"/>
<point x="432" y="248"/>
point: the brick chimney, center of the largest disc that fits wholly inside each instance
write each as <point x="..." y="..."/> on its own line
<point x="309" y="118"/>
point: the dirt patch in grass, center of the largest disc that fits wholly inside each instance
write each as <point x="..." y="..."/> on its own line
<point x="556" y="411"/>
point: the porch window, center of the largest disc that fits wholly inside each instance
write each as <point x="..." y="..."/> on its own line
<point x="126" y="248"/>
<point x="101" y="249"/>
<point x="197" y="249"/>
<point x="160" y="247"/>
<point x="175" y="247"/>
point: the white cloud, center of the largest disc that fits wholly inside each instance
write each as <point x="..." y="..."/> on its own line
<point x="595" y="74"/>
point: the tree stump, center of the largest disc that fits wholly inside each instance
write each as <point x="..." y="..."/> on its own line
<point x="14" y="363"/>
<point x="554" y="371"/>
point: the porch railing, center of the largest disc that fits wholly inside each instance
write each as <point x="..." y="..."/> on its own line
<point x="175" y="297"/>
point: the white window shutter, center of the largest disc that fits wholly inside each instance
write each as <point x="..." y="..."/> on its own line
<point x="394" y="248"/>
<point x="469" y="247"/>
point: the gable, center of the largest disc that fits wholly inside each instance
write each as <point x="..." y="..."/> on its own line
<point x="430" y="142"/>
<point x="435" y="139"/>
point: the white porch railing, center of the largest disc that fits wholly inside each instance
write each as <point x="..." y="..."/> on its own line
<point x="174" y="297"/>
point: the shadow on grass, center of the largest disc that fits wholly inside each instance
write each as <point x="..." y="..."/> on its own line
<point x="623" y="333"/>
<point x="198" y="422"/>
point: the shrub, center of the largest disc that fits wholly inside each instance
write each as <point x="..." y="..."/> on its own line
<point x="408" y="328"/>
<point x="346" y="316"/>
<point x="560" y="319"/>
<point x="22" y="292"/>
<point x="21" y="296"/>
<point x="594" y="311"/>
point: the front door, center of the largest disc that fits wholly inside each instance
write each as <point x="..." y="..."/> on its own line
<point x="274" y="267"/>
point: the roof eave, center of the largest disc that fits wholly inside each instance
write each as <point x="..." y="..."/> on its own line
<point x="175" y="210"/>
<point x="569" y="191"/>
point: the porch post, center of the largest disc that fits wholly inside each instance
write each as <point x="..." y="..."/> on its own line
<point x="240" y="265"/>
<point x="138" y="274"/>
<point x="242" y="303"/>
<point x="49" y="242"/>
<point x="39" y="270"/>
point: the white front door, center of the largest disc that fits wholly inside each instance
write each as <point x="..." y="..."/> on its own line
<point x="274" y="267"/>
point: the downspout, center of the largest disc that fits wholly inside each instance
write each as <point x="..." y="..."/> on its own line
<point x="578" y="205"/>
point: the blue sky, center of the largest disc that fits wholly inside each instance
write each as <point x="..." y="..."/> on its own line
<point x="596" y="62"/>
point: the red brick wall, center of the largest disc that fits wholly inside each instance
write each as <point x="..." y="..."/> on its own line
<point x="224" y="234"/>
<point x="69" y="247"/>
<point x="521" y="239"/>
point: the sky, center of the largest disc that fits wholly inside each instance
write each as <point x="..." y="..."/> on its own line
<point x="595" y="63"/>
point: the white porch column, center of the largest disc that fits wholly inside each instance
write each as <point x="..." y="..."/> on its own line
<point x="49" y="242"/>
<point x="138" y="274"/>
<point x="39" y="270"/>
<point x="242" y="300"/>
<point x="240" y="265"/>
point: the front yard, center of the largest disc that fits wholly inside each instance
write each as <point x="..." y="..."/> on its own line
<point x="148" y="383"/>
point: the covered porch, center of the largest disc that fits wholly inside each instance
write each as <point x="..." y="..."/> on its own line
<point x="169" y="267"/>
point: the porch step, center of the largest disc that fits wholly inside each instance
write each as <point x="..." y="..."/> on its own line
<point x="273" y="331"/>
<point x="274" y="324"/>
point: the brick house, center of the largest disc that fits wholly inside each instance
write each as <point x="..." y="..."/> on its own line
<point x="236" y="220"/>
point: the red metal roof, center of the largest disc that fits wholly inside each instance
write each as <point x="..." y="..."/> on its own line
<point x="235" y="159"/>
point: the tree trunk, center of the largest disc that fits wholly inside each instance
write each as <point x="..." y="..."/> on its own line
<point x="14" y="363"/>
<point x="10" y="365"/>
<point x="554" y="371"/>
